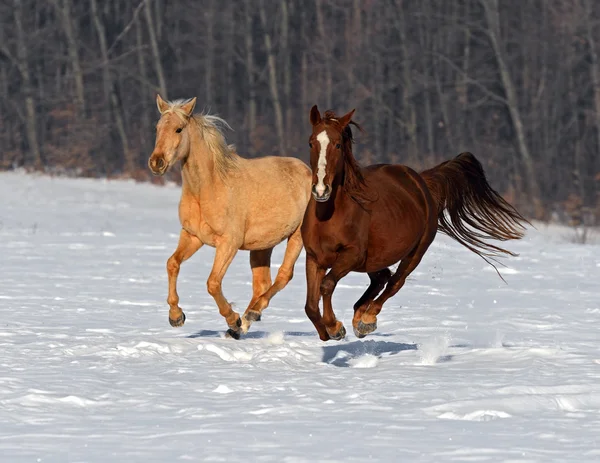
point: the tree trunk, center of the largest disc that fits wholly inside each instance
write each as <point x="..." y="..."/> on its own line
<point x="323" y="45"/>
<point x="409" y="117"/>
<point x="273" y="87"/>
<point x="595" y="75"/>
<point x="462" y="84"/>
<point x="248" y="39"/>
<point x="110" y="94"/>
<point x="65" y="12"/>
<point x="146" y="125"/>
<point x="493" y="20"/>
<point x="30" y="109"/>
<point x="285" y="53"/>
<point x="154" y="47"/>
<point x="210" y="51"/>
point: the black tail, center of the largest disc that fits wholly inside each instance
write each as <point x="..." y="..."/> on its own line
<point x="475" y="212"/>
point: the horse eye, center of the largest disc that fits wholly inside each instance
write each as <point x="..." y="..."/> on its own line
<point x="178" y="130"/>
<point x="337" y="146"/>
<point x="309" y="145"/>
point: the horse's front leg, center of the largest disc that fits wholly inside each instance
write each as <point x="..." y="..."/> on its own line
<point x="347" y="260"/>
<point x="225" y="252"/>
<point x="187" y="246"/>
<point x="314" y="277"/>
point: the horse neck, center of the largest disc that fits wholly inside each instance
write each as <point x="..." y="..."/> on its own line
<point x="339" y="197"/>
<point x="198" y="170"/>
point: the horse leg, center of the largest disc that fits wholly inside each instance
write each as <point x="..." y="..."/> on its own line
<point x="368" y="322"/>
<point x="187" y="246"/>
<point x="378" y="281"/>
<point x="284" y="275"/>
<point x="346" y="261"/>
<point x="224" y="255"/>
<point x="314" y="277"/>
<point x="260" y="262"/>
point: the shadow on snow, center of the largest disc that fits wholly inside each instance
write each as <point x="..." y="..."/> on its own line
<point x="341" y="354"/>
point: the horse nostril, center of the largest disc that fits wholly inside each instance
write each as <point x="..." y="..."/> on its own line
<point x="314" y="190"/>
<point x="327" y="190"/>
<point x="157" y="163"/>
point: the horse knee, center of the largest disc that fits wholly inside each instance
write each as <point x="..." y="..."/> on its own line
<point x="213" y="286"/>
<point x="327" y="286"/>
<point x="172" y="265"/>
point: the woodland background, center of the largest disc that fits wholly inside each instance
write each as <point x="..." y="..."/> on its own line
<point x="515" y="82"/>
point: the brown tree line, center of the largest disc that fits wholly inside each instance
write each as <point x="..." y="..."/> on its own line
<point x="515" y="82"/>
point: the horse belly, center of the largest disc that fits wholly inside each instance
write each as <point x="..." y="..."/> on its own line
<point x="265" y="235"/>
<point x="395" y="231"/>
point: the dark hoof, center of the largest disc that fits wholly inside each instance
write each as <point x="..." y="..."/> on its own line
<point x="234" y="330"/>
<point x="178" y="321"/>
<point x="232" y="334"/>
<point x="253" y="316"/>
<point x="341" y="334"/>
<point x="236" y="325"/>
<point x="362" y="329"/>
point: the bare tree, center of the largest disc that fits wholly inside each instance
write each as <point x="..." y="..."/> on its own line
<point x="273" y="82"/>
<point x="493" y="20"/>
<point x="517" y="83"/>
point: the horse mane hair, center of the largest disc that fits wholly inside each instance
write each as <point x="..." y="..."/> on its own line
<point x="354" y="182"/>
<point x="211" y="130"/>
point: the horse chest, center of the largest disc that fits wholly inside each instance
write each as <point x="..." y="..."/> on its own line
<point x="324" y="246"/>
<point x="196" y="223"/>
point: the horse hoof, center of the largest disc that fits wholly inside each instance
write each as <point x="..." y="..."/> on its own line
<point x="362" y="329"/>
<point x="177" y="322"/>
<point x="253" y="316"/>
<point x="341" y="334"/>
<point x="232" y="334"/>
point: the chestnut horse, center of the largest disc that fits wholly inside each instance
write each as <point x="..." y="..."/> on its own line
<point x="223" y="204"/>
<point x="368" y="219"/>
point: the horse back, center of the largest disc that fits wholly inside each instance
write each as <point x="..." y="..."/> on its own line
<point x="398" y="185"/>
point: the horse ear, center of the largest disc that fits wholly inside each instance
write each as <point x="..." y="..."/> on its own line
<point x="315" y="115"/>
<point x="161" y="104"/>
<point x="188" y="108"/>
<point x="345" y="120"/>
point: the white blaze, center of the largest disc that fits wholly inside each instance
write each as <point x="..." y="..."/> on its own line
<point x="323" y="140"/>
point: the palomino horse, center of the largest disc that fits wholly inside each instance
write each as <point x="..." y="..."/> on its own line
<point x="230" y="203"/>
<point x="368" y="219"/>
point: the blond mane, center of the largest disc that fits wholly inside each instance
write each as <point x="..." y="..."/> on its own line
<point x="211" y="130"/>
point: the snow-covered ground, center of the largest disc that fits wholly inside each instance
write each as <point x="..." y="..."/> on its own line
<point x="462" y="367"/>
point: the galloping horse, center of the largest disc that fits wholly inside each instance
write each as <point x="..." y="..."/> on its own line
<point x="223" y="204"/>
<point x="368" y="219"/>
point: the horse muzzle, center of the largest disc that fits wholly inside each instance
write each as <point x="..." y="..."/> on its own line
<point x="157" y="164"/>
<point x="321" y="198"/>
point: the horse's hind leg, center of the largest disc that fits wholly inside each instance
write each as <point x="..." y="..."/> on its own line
<point x="187" y="246"/>
<point x="368" y="321"/>
<point x="260" y="262"/>
<point x="378" y="281"/>
<point x="284" y="275"/>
